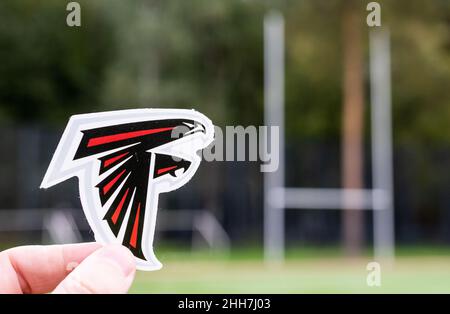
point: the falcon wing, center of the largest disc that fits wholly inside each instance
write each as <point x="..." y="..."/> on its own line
<point x="132" y="194"/>
<point x="134" y="170"/>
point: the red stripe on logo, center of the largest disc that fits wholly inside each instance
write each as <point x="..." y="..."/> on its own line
<point x="162" y="170"/>
<point x="133" y="239"/>
<point x="116" y="214"/>
<point x="123" y="136"/>
<point x="113" y="159"/>
<point x="107" y="187"/>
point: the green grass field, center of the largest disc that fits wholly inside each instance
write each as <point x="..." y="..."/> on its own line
<point x="309" y="270"/>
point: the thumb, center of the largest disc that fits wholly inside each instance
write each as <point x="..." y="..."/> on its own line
<point x="110" y="269"/>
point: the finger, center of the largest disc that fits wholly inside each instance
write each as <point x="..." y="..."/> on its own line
<point x="39" y="269"/>
<point x="110" y="269"/>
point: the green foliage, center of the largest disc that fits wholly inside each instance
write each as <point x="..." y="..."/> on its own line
<point x="198" y="54"/>
<point x="421" y="70"/>
<point x="208" y="55"/>
<point x="48" y="69"/>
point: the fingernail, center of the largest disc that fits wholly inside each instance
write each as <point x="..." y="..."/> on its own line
<point x="121" y="256"/>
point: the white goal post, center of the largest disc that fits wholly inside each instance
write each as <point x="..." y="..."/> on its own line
<point x="379" y="199"/>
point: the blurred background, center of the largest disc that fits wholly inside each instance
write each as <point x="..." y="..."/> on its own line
<point x="209" y="55"/>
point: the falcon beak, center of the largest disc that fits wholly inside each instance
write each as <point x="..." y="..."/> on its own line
<point x="194" y="128"/>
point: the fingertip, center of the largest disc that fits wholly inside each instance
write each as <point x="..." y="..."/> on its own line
<point x="110" y="269"/>
<point x="121" y="256"/>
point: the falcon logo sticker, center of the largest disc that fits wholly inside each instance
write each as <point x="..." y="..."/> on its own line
<point x="124" y="160"/>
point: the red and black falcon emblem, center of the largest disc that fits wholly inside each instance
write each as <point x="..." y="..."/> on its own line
<point x="132" y="164"/>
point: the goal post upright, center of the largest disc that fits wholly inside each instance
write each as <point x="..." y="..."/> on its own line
<point x="382" y="156"/>
<point x="274" y="116"/>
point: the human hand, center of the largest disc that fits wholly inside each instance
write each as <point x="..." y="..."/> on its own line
<point x="73" y="268"/>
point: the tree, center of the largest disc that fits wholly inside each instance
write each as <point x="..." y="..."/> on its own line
<point x="352" y="123"/>
<point x="49" y="70"/>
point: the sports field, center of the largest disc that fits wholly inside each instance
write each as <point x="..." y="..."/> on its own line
<point x="416" y="270"/>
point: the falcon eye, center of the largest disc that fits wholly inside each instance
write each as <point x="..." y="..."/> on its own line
<point x="190" y="125"/>
<point x="180" y="131"/>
